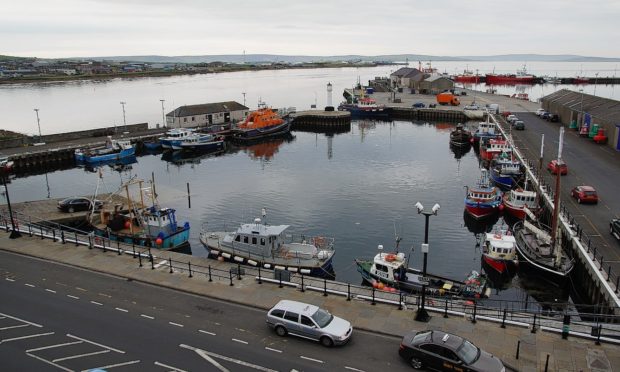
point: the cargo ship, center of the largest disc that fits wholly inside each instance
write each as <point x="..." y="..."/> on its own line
<point x="521" y="77"/>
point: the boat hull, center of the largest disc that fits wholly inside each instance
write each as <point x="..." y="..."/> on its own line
<point x="481" y="210"/>
<point x="247" y="135"/>
<point x="491" y="79"/>
<point x="171" y="242"/>
<point x="501" y="266"/>
<point x="125" y="153"/>
<point x="366" y="113"/>
<point x="204" y="147"/>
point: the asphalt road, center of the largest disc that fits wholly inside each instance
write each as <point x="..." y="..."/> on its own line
<point x="55" y="317"/>
<point x="588" y="164"/>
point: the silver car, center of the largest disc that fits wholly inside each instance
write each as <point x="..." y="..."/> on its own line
<point x="308" y="321"/>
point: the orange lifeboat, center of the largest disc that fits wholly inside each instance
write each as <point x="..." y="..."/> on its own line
<point x="261" y="118"/>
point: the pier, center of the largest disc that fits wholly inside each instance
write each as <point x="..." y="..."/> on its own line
<point x="318" y="120"/>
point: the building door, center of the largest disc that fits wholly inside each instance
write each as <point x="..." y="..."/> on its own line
<point x="227" y="117"/>
<point x="210" y="119"/>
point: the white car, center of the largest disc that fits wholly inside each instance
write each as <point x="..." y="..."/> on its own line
<point x="308" y="321"/>
<point x="540" y="112"/>
<point x="471" y="107"/>
<point x="512" y="118"/>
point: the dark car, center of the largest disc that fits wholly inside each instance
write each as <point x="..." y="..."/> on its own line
<point x="545" y="115"/>
<point x="442" y="351"/>
<point x="77" y="204"/>
<point x="584" y="194"/>
<point x="554" y="166"/>
<point x="554" y="118"/>
<point x="518" y="125"/>
<point x="419" y="105"/>
<point x="614" y="227"/>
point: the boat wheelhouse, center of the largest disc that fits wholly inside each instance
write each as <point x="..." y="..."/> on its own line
<point x="460" y="137"/>
<point x="492" y="147"/>
<point x="486" y="129"/>
<point x="499" y="251"/>
<point x="482" y="200"/>
<point x="516" y="201"/>
<point x="174" y="137"/>
<point x="200" y="142"/>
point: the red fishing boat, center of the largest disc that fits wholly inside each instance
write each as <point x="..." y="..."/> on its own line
<point x="499" y="251"/>
<point x="467" y="77"/>
<point x="521" y="77"/>
<point x="491" y="148"/>
<point x="517" y="200"/>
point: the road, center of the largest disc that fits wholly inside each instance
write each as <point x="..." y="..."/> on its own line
<point x="55" y="317"/>
<point x="588" y="164"/>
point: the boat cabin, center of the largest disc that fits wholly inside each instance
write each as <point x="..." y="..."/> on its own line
<point x="389" y="266"/>
<point x="500" y="245"/>
<point x="521" y="198"/>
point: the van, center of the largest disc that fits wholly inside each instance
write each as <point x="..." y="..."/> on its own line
<point x="308" y="321"/>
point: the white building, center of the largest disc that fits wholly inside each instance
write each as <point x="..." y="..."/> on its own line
<point x="206" y="114"/>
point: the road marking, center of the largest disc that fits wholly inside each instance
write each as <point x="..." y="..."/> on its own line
<point x="21" y="320"/>
<point x="275" y="350"/>
<point x="147" y="316"/>
<point x="50" y="290"/>
<point x="353" y="369"/>
<point x="96" y="303"/>
<point x="169" y="367"/>
<point x="160" y="264"/>
<point x="80" y="289"/>
<point x="105" y="295"/>
<point x="29" y="285"/>
<point x="94" y="343"/>
<point x="50" y="363"/>
<point x="123" y="310"/>
<point x="81" y="355"/>
<point x="175" y="324"/>
<point x="206" y="355"/>
<point x="25" y="337"/>
<point x="54" y="346"/>
<point x="15" y="326"/>
<point x="10" y="280"/>
<point x="73" y="297"/>
<point x="112" y="366"/>
<point x="207" y="332"/>
<point x="240" y="341"/>
<point x="311" y="359"/>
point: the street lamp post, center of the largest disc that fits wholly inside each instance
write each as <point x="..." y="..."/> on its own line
<point x="14" y="232"/>
<point x="124" y="121"/>
<point x="422" y="314"/>
<point x="38" y="123"/>
<point x="580" y="111"/>
<point x="163" y="117"/>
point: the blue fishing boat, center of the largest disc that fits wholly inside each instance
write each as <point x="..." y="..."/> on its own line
<point x="133" y="222"/>
<point x="174" y="137"/>
<point x="366" y="108"/>
<point x="113" y="150"/>
<point x="483" y="200"/>
<point x="485" y="130"/>
<point x="152" y="145"/>
<point x="505" y="171"/>
<point x="201" y="142"/>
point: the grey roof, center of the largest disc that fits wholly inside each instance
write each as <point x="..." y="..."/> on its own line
<point x="260" y="229"/>
<point x="433" y="78"/>
<point x="207" y="108"/>
<point x="406" y="72"/>
<point x="602" y="108"/>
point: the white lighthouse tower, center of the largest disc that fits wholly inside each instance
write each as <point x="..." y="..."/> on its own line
<point x="329" y="106"/>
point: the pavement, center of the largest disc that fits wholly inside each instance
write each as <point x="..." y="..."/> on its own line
<point x="536" y="350"/>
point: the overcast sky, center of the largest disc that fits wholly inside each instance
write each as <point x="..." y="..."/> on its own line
<point x="69" y="28"/>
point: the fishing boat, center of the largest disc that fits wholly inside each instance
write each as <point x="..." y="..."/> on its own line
<point x="203" y="142"/>
<point x="540" y="247"/>
<point x="460" y="137"/>
<point x="6" y="165"/>
<point x="516" y="201"/>
<point x="365" y="107"/>
<point x="152" y="146"/>
<point x="483" y="200"/>
<point x="521" y="77"/>
<point x="175" y="136"/>
<point x="125" y="217"/>
<point x="499" y="251"/>
<point x="390" y="272"/>
<point x="486" y="129"/>
<point x="467" y="77"/>
<point x="113" y="150"/>
<point x="272" y="247"/>
<point x="262" y="123"/>
<point x="505" y="171"/>
<point x="490" y="148"/>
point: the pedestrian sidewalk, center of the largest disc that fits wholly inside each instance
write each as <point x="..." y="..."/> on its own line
<point x="573" y="354"/>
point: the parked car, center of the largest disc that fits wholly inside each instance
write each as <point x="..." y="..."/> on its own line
<point x="419" y="105"/>
<point x="584" y="194"/>
<point x="614" y="227"/>
<point x="545" y="115"/>
<point x="473" y="106"/>
<point x="76" y="204"/>
<point x="437" y="350"/>
<point x="554" y="118"/>
<point x="432" y="105"/>
<point x="510" y="118"/>
<point x="308" y="321"/>
<point x="554" y="166"/>
<point x="505" y="114"/>
<point x="540" y="112"/>
<point x="518" y="125"/>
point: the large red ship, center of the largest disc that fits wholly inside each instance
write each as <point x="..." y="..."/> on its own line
<point x="467" y="77"/>
<point x="521" y="77"/>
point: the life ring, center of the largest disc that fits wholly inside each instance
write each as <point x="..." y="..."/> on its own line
<point x="390" y="257"/>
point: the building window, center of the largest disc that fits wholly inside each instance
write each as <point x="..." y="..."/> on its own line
<point x="193" y="118"/>
<point x="185" y="120"/>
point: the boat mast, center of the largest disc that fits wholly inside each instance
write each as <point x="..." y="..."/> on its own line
<point x="556" y="195"/>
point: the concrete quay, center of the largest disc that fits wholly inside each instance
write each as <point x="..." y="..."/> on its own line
<point x="536" y="350"/>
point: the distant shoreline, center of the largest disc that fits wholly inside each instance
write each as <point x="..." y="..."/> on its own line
<point x="146" y="74"/>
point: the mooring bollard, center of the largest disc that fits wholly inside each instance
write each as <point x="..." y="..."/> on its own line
<point x="302" y="283"/>
<point x="30" y="229"/>
<point x="348" y="291"/>
<point x="230" y="273"/>
<point x="90" y="242"/>
<point x="118" y="247"/>
<point x="504" y="320"/>
<point x="152" y="261"/>
<point x="445" y="313"/>
<point x="140" y="259"/>
<point x="325" y="287"/>
<point x="62" y="237"/>
<point x="238" y="271"/>
<point x="534" y="324"/>
<point x="473" y="318"/>
<point x="518" y="346"/>
<point x="565" y="326"/>
<point x="210" y="274"/>
<point x="170" y="264"/>
<point x="53" y="234"/>
<point x="547" y="363"/>
<point x="373" y="296"/>
<point x="189" y="264"/>
<point x="260" y="280"/>
<point x="133" y="249"/>
<point x="598" y="334"/>
<point x="279" y="278"/>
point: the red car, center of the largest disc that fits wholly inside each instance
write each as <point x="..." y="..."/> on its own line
<point x="584" y="194"/>
<point x="553" y="167"/>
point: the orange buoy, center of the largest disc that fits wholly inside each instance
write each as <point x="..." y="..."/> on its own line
<point x="380" y="285"/>
<point x="158" y="241"/>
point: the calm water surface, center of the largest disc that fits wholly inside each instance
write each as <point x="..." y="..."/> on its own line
<point x="359" y="187"/>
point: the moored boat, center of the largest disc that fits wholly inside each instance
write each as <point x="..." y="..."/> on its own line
<point x="133" y="222"/>
<point x="521" y="77"/>
<point x="272" y="247"/>
<point x="516" y="201"/>
<point x="389" y="271"/>
<point x="6" y="165"/>
<point x="483" y="200"/>
<point x="262" y="123"/>
<point x="490" y="148"/>
<point x="486" y="129"/>
<point x="499" y="251"/>
<point x="506" y="172"/>
<point x="366" y="107"/>
<point x="460" y="137"/>
<point x="113" y="150"/>
<point x="202" y="142"/>
<point x="174" y="137"/>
